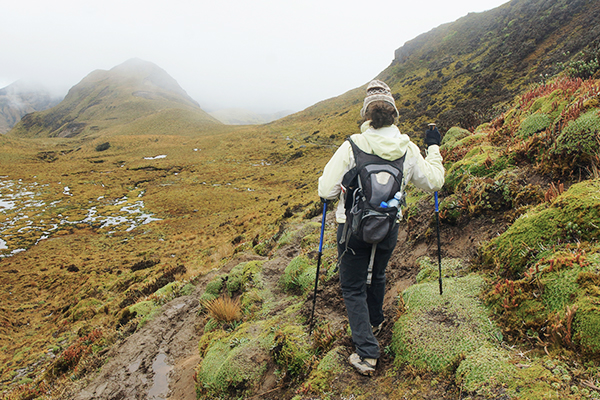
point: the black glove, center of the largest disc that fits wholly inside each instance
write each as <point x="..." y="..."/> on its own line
<point x="433" y="136"/>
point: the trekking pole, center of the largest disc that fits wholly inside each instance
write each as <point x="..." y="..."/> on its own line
<point x="437" y="218"/>
<point x="312" y="314"/>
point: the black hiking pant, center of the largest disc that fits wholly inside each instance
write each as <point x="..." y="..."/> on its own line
<point x="364" y="304"/>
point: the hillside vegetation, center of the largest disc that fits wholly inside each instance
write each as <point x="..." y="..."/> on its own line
<point x="120" y="200"/>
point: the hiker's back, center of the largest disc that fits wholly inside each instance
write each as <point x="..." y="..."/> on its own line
<point x="369" y="185"/>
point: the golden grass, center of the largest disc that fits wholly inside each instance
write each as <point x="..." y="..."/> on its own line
<point x="224" y="309"/>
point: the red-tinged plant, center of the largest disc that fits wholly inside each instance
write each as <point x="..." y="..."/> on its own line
<point x="74" y="353"/>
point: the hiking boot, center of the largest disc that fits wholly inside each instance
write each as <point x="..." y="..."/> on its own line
<point x="377" y="329"/>
<point x="364" y="366"/>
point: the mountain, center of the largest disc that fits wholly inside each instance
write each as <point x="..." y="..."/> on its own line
<point x="240" y="116"/>
<point x="465" y="72"/>
<point x="129" y="95"/>
<point x="20" y="98"/>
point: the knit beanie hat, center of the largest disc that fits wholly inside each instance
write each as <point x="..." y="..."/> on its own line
<point x="378" y="91"/>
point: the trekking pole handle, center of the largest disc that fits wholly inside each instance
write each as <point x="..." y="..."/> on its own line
<point x="437" y="209"/>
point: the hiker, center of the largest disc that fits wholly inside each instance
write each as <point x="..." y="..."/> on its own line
<point x="364" y="303"/>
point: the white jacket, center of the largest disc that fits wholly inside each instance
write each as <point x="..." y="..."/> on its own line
<point x="388" y="143"/>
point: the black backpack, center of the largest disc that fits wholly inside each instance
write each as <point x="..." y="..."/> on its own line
<point x="372" y="181"/>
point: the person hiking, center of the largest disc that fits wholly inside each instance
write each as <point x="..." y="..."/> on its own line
<point x="379" y="136"/>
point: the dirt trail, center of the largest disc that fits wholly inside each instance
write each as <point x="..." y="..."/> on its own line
<point x="158" y="361"/>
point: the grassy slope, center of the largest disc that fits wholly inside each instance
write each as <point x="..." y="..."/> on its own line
<point x="466" y="72"/>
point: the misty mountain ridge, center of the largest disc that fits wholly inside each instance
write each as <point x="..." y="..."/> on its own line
<point x="241" y="116"/>
<point x="104" y="100"/>
<point x="20" y="98"/>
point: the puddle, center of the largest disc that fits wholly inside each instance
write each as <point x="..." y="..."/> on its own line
<point x="160" y="387"/>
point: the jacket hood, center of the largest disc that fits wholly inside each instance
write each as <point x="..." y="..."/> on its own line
<point x="387" y="142"/>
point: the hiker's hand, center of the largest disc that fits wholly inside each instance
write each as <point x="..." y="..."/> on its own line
<point x="325" y="201"/>
<point x="433" y="136"/>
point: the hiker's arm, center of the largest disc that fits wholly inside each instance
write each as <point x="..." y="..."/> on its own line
<point x="331" y="180"/>
<point x="425" y="173"/>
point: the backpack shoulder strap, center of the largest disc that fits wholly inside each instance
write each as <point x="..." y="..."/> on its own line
<point x="350" y="176"/>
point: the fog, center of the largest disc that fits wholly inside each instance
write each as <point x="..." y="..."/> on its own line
<point x="264" y="55"/>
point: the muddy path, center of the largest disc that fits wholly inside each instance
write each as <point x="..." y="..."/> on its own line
<point x="158" y="361"/>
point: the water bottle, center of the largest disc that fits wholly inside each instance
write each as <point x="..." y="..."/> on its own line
<point x="395" y="202"/>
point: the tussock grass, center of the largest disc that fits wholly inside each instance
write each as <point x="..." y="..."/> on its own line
<point x="224" y="309"/>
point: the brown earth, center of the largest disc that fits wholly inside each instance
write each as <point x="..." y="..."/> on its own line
<point x="159" y="360"/>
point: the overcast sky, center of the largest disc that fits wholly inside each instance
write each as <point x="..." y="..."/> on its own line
<point x="262" y="55"/>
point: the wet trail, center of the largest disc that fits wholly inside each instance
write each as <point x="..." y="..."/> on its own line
<point x="158" y="361"/>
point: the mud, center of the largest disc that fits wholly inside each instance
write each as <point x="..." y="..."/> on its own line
<point x="158" y="361"/>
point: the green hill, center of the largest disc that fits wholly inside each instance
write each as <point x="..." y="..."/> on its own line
<point x="466" y="72"/>
<point x="131" y="98"/>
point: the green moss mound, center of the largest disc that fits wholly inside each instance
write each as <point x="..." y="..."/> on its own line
<point x="233" y="364"/>
<point x="484" y="369"/>
<point x="453" y="136"/>
<point x="213" y="288"/>
<point x="587" y="325"/>
<point x="436" y="331"/>
<point x="533" y="124"/>
<point x="299" y="275"/>
<point x="292" y="350"/>
<point x="556" y="301"/>
<point x="573" y="216"/>
<point x="581" y="137"/>
<point x="244" y="275"/>
<point x="331" y="366"/>
<point x="429" y="269"/>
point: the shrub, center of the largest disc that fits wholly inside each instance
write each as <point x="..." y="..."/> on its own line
<point x="586" y="66"/>
<point x="74" y="353"/>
